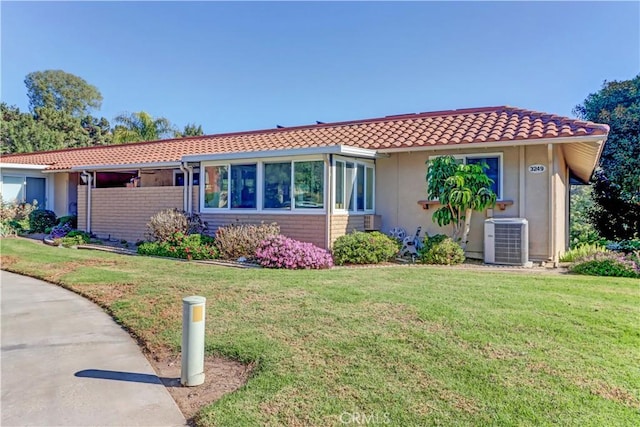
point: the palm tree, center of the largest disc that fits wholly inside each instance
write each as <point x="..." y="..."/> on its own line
<point x="141" y="127"/>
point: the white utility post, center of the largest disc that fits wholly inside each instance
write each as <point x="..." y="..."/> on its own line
<point x="192" y="364"/>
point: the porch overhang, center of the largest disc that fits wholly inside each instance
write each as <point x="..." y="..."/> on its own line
<point x="24" y="166"/>
<point x="127" y="166"/>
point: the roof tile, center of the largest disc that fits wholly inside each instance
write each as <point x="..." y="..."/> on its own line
<point x="467" y="126"/>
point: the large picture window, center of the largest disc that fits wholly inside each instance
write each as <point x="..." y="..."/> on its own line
<point x="354" y="186"/>
<point x="273" y="186"/>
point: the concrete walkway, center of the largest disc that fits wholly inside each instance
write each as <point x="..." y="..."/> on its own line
<point x="67" y="363"/>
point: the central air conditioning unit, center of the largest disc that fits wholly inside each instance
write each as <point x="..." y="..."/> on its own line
<point x="506" y="241"/>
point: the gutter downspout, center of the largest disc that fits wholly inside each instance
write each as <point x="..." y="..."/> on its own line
<point x="89" y="178"/>
<point x="521" y="184"/>
<point x="184" y="189"/>
<point x="190" y="191"/>
<point x="329" y="199"/>
<point x="551" y="246"/>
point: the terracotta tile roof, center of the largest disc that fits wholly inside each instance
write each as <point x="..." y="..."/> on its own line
<point x="453" y="127"/>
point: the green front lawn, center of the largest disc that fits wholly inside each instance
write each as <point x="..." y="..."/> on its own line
<point x="402" y="346"/>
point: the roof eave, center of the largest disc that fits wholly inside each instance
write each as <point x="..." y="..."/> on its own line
<point x="127" y="166"/>
<point x="23" y="166"/>
<point x="495" y="144"/>
<point x="332" y="149"/>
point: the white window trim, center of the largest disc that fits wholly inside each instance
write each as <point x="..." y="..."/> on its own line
<point x="356" y="162"/>
<point x="464" y="157"/>
<point x="260" y="186"/>
<point x="176" y="172"/>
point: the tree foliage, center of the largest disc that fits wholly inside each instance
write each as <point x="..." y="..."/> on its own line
<point x="141" y="126"/>
<point x="48" y="129"/>
<point x="191" y="129"/>
<point x="59" y="118"/>
<point x="461" y="189"/>
<point x="582" y="230"/>
<point x="58" y="90"/>
<point x="616" y="193"/>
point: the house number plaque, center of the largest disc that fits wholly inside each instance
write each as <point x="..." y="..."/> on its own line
<point x="537" y="168"/>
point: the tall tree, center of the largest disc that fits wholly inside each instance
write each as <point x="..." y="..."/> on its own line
<point x="48" y="129"/>
<point x="191" y="129"/>
<point x="58" y="90"/>
<point x="616" y="192"/>
<point x="141" y="126"/>
<point x="461" y="189"/>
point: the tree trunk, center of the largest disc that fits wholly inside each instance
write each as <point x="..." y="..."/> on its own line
<point x="467" y="227"/>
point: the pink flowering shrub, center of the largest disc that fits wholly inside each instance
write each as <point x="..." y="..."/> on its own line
<point x="282" y="252"/>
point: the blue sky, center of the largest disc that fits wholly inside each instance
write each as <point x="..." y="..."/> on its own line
<point x="243" y="66"/>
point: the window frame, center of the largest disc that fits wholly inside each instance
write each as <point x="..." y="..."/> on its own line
<point x="499" y="155"/>
<point x="367" y="164"/>
<point x="196" y="175"/>
<point x="260" y="183"/>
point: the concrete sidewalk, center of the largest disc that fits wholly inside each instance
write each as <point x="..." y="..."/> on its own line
<point x="67" y="363"/>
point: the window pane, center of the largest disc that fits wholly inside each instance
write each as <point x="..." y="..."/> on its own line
<point x="216" y="187"/>
<point x="277" y="186"/>
<point x="339" y="185"/>
<point x="493" y="172"/>
<point x="243" y="186"/>
<point x="12" y="189"/>
<point x="180" y="179"/>
<point x="309" y="185"/>
<point x="360" y="188"/>
<point x="369" y="192"/>
<point x="349" y="178"/>
<point x="37" y="190"/>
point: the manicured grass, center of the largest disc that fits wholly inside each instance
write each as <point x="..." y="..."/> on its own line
<point x="402" y="346"/>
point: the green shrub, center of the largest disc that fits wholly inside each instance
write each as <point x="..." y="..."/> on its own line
<point x="428" y="242"/>
<point x="16" y="211"/>
<point x="364" y="248"/>
<point x="7" y="230"/>
<point x="441" y="251"/>
<point x="235" y="241"/>
<point x="164" y="224"/>
<point x="193" y="246"/>
<point x="86" y="237"/>
<point x="19" y="226"/>
<point x="74" y="238"/>
<point x="626" y="246"/>
<point x="40" y="219"/>
<point x="608" y="264"/>
<point x="582" y="251"/>
<point x="72" y="220"/>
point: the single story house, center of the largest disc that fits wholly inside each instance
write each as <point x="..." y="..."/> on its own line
<point x="321" y="181"/>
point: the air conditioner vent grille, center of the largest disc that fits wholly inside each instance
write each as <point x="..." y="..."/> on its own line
<point x="508" y="243"/>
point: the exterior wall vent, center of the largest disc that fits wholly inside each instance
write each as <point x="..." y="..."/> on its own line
<point x="372" y="222"/>
<point x="506" y="241"/>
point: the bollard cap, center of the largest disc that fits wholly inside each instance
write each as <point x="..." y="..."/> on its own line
<point x="194" y="300"/>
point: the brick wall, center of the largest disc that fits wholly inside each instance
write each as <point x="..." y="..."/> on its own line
<point x="123" y="213"/>
<point x="344" y="224"/>
<point x="306" y="228"/>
